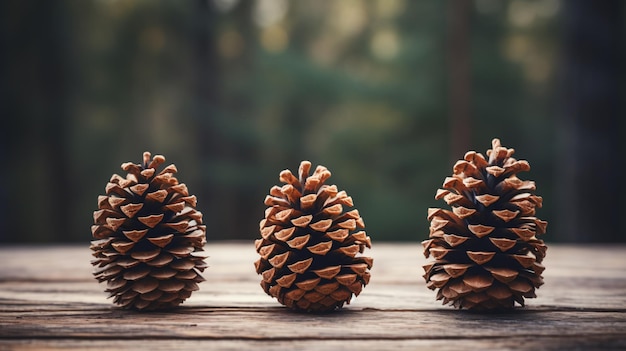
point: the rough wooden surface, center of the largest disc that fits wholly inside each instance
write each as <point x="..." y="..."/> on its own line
<point x="49" y="300"/>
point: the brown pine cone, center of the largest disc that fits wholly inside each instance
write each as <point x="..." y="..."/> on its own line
<point x="486" y="251"/>
<point x="149" y="237"/>
<point x="310" y="243"/>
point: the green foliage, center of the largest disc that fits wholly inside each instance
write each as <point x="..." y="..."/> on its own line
<point x="234" y="92"/>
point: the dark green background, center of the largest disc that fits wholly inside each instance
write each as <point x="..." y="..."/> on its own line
<point x="386" y="94"/>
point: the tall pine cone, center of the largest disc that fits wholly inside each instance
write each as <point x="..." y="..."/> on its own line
<point x="149" y="237"/>
<point x="487" y="255"/>
<point x="310" y="244"/>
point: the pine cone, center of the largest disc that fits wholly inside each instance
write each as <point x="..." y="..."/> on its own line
<point x="310" y="244"/>
<point x="149" y="237"/>
<point x="487" y="255"/>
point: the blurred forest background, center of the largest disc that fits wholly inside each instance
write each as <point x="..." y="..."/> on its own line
<point x="387" y="94"/>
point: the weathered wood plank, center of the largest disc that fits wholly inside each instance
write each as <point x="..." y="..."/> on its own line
<point x="277" y="323"/>
<point x="576" y="277"/>
<point x="605" y="343"/>
<point x="49" y="300"/>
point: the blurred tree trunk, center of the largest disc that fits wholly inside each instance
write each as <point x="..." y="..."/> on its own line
<point x="459" y="75"/>
<point x="35" y="91"/>
<point x="205" y="99"/>
<point x="240" y="155"/>
<point x="221" y="154"/>
<point x="589" y="202"/>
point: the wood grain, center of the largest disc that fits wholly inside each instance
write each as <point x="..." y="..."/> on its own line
<point x="49" y="300"/>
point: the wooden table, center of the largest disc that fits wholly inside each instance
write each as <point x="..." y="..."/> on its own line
<point x="49" y="300"/>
